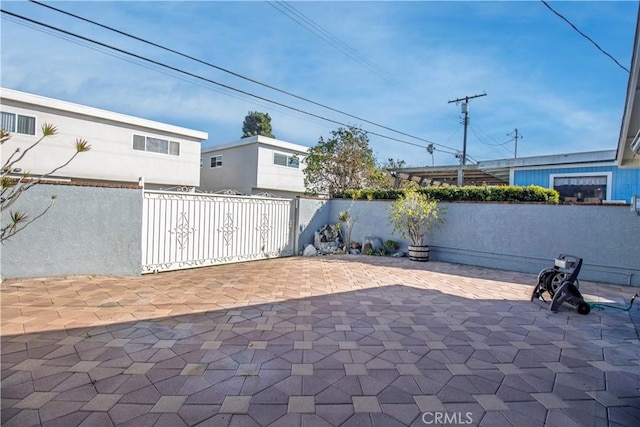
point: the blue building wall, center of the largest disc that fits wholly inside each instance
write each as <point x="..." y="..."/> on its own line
<point x="625" y="182"/>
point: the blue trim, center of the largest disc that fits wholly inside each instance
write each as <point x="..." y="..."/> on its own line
<point x="626" y="182"/>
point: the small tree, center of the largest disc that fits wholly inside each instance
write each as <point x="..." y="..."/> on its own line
<point x="342" y="162"/>
<point x="15" y="182"/>
<point x="414" y="214"/>
<point x="256" y="123"/>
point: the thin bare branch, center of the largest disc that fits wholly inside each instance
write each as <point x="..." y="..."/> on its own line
<point x="17" y="218"/>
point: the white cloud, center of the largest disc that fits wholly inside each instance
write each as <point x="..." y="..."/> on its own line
<point x="560" y="98"/>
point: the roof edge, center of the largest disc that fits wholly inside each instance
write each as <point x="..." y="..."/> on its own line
<point x="57" y="104"/>
<point x="259" y="140"/>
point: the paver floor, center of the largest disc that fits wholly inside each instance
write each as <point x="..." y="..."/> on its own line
<point x="327" y="341"/>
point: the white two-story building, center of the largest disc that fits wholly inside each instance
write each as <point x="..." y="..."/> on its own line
<point x="123" y="148"/>
<point x="254" y="165"/>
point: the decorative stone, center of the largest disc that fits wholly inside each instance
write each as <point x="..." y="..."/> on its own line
<point x="354" y="251"/>
<point x="398" y="254"/>
<point x="309" y="250"/>
<point x="371" y="243"/>
<point x="327" y="239"/>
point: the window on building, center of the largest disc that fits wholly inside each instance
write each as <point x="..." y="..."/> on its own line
<point x="17" y="123"/>
<point x="576" y="188"/>
<point x="174" y="148"/>
<point x="156" y="145"/>
<point x="216" y="161"/>
<point x="284" y="160"/>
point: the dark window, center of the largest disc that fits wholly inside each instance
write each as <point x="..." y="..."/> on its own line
<point x="581" y="189"/>
<point x="216" y="161"/>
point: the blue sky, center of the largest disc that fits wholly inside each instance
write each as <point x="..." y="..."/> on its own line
<point x="539" y="74"/>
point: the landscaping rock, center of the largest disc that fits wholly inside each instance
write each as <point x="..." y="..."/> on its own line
<point x="398" y="254"/>
<point x="371" y="244"/>
<point x="309" y="250"/>
<point x="327" y="239"/>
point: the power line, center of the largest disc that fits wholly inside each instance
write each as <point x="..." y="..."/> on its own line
<point x="310" y="25"/>
<point x="161" y="71"/>
<point x="187" y="73"/>
<point x="584" y="35"/>
<point x="287" y="9"/>
<point x="465" y="122"/>
<point x="149" y="67"/>
<point x="501" y="145"/>
<point x="497" y="144"/>
<point x="217" y="67"/>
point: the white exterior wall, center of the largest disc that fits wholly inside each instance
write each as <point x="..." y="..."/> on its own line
<point x="277" y="177"/>
<point x="112" y="157"/>
<point x="248" y="167"/>
<point x="238" y="171"/>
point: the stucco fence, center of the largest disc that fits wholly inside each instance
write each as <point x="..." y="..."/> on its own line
<point x="518" y="237"/>
<point x="88" y="230"/>
<point x="97" y="230"/>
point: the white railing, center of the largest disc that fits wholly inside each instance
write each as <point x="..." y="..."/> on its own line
<point x="186" y="230"/>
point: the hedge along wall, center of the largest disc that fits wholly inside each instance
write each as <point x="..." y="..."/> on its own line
<point x="88" y="230"/>
<point x="519" y="237"/>
<point x="503" y="193"/>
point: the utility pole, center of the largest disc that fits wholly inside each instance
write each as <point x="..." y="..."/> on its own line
<point x="465" y="122"/>
<point x="515" y="137"/>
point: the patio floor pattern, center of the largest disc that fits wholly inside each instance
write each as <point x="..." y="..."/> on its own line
<point x="326" y="341"/>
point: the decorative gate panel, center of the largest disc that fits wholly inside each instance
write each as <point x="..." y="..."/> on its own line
<point x="186" y="230"/>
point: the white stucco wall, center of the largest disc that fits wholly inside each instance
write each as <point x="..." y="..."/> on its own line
<point x="277" y="177"/>
<point x="248" y="167"/>
<point x="238" y="170"/>
<point x="112" y="157"/>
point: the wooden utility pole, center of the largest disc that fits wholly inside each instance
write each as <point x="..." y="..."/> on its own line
<point x="515" y="137"/>
<point x="465" y="122"/>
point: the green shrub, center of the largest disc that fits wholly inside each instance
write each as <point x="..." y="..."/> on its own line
<point x="507" y="193"/>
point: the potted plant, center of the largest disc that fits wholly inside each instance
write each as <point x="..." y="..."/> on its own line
<point x="414" y="215"/>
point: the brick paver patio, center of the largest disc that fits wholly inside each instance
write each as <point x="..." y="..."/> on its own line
<point x="343" y="340"/>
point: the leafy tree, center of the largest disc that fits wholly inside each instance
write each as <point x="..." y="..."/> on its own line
<point x="342" y="162"/>
<point x="387" y="173"/>
<point x="394" y="164"/>
<point x="14" y="182"/>
<point x="256" y="123"/>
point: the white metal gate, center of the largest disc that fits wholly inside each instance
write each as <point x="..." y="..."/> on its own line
<point x="186" y="230"/>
